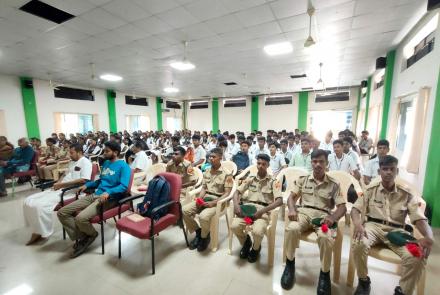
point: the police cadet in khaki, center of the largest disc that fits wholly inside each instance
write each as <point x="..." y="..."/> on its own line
<point x="318" y="194"/>
<point x="264" y="193"/>
<point x="182" y="167"/>
<point x="216" y="185"/>
<point x="385" y="206"/>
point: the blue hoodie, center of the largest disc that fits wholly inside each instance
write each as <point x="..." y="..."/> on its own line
<point x="114" y="179"/>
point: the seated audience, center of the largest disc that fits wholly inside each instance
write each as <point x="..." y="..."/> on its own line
<point x="242" y="159"/>
<point x="264" y="195"/>
<point x="372" y="166"/>
<point x="38" y="207"/>
<point x="277" y="162"/>
<point x="6" y="149"/>
<point x="340" y="161"/>
<point x="109" y="188"/>
<point x="199" y="151"/>
<point x="182" y="167"/>
<point x="365" y="143"/>
<point x="302" y="159"/>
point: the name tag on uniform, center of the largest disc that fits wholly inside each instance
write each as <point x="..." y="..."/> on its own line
<point x="77" y="168"/>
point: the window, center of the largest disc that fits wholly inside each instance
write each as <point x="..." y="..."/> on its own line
<point x="172" y="105"/>
<point x="319" y="122"/>
<point x="420" y="50"/>
<point x="73" y="93"/>
<point x="173" y="124"/>
<point x="198" y="105"/>
<point x="73" y="123"/>
<point x="332" y="96"/>
<point x="135" y="100"/>
<point x="136" y="123"/>
<point x="277" y="100"/>
<point x="236" y="102"/>
<point x="405" y="126"/>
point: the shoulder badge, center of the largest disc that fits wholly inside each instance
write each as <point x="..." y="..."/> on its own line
<point x="277" y="185"/>
<point x="190" y="170"/>
<point x="229" y="179"/>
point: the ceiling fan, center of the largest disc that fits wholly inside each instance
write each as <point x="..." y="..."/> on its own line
<point x="54" y="85"/>
<point x="92" y="71"/>
<point x="310" y="11"/>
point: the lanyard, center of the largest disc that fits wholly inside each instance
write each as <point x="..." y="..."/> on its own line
<point x="339" y="163"/>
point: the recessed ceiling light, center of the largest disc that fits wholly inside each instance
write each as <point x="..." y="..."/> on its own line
<point x="171" y="89"/>
<point x="182" y="65"/>
<point x="110" y="77"/>
<point x="278" y="48"/>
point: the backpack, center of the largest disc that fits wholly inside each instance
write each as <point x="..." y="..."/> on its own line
<point x="158" y="193"/>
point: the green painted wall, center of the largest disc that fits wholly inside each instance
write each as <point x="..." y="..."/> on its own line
<point x="111" y="105"/>
<point x="30" y="109"/>
<point x="388" y="83"/>
<point x="159" y="113"/>
<point x="303" y="109"/>
<point x="431" y="187"/>
<point x="367" y="102"/>
<point x="215" y="123"/>
<point x="254" y="113"/>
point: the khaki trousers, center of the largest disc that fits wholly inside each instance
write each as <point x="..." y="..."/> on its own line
<point x="259" y="228"/>
<point x="412" y="267"/>
<point x="205" y="215"/>
<point x="79" y="226"/>
<point x="304" y="224"/>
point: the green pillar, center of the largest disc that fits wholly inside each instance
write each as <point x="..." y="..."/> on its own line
<point x="215" y="125"/>
<point x="367" y="102"/>
<point x="431" y="187"/>
<point x="30" y="108"/>
<point x="388" y="82"/>
<point x="254" y="113"/>
<point x="303" y="109"/>
<point x="159" y="113"/>
<point x="111" y="105"/>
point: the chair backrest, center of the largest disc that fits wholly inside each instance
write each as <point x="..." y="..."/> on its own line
<point x="130" y="183"/>
<point x="252" y="170"/>
<point x="175" y="181"/>
<point x="95" y="171"/>
<point x="345" y="181"/>
<point x="199" y="176"/>
<point x="34" y="160"/>
<point x="155" y="170"/>
<point x="291" y="174"/>
<point x="230" y="166"/>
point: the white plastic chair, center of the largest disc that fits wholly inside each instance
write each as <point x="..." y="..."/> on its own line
<point x="188" y="196"/>
<point x="230" y="166"/>
<point x="147" y="176"/>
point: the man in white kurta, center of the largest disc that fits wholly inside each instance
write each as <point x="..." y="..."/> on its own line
<point x="38" y="208"/>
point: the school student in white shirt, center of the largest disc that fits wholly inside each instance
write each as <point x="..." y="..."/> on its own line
<point x="141" y="162"/>
<point x="277" y="161"/>
<point x="199" y="151"/>
<point x="347" y="145"/>
<point x="342" y="162"/>
<point x="38" y="207"/>
<point x="372" y="166"/>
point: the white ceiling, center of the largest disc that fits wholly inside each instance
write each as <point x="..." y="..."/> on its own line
<point x="137" y="39"/>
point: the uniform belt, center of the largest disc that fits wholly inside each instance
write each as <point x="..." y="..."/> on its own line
<point x="384" y="222"/>
<point x="214" y="194"/>
<point x="259" y="203"/>
<point x="316" y="208"/>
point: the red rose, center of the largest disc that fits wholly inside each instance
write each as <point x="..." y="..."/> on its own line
<point x="324" y="227"/>
<point x="200" y="202"/>
<point x="248" y="220"/>
<point x="414" y="249"/>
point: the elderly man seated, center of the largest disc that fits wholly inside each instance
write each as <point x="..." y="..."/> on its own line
<point x="20" y="161"/>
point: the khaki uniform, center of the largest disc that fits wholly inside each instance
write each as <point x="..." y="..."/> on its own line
<point x="49" y="168"/>
<point x="260" y="193"/>
<point x="317" y="201"/>
<point x="185" y="170"/>
<point x="392" y="207"/>
<point x="215" y="184"/>
<point x="49" y="155"/>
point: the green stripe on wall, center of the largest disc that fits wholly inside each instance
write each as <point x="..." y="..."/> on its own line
<point x="303" y="108"/>
<point x="388" y="83"/>
<point x="367" y="102"/>
<point x="30" y="109"/>
<point x="431" y="187"/>
<point x="159" y="113"/>
<point x="254" y="113"/>
<point x="111" y="105"/>
<point x="215" y="125"/>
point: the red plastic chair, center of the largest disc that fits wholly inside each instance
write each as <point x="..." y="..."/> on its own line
<point x="148" y="228"/>
<point x="31" y="172"/>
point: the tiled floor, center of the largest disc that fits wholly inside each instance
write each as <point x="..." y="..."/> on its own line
<point x="46" y="269"/>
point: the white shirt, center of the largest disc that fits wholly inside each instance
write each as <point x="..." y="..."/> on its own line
<point x="257" y="151"/>
<point x="355" y="158"/>
<point x="371" y="168"/>
<point x="211" y="145"/>
<point x="232" y="149"/>
<point x="345" y="163"/>
<point x="276" y="162"/>
<point x="199" y="153"/>
<point x="141" y="161"/>
<point x="326" y="146"/>
<point x="79" y="169"/>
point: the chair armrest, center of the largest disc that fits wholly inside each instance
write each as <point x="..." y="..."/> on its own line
<point x="46" y="185"/>
<point x="70" y="188"/>
<point x="139" y="175"/>
<point x="129" y="198"/>
<point x="154" y="211"/>
<point x="59" y="163"/>
<point x="194" y="192"/>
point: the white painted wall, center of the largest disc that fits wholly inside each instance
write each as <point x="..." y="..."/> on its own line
<point x="174" y="113"/>
<point x="11" y="104"/>
<point x="235" y="119"/>
<point x="123" y="110"/>
<point x="424" y="73"/>
<point x="200" y="119"/>
<point x="47" y="105"/>
<point x="278" y="117"/>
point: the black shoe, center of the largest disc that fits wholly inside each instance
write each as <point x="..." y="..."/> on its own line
<point x="288" y="277"/>
<point x="203" y="244"/>
<point x="194" y="243"/>
<point x="398" y="291"/>
<point x="246" y="247"/>
<point x="324" y="284"/>
<point x="83" y="245"/>
<point x="364" y="287"/>
<point x="253" y="255"/>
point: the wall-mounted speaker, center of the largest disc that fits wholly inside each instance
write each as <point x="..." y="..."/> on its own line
<point x="28" y="84"/>
<point x="381" y="63"/>
<point x="364" y="84"/>
<point x="433" y="4"/>
<point x="112" y="94"/>
<point x="254" y="98"/>
<point x="160" y="100"/>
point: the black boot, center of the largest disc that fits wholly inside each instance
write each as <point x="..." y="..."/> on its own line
<point x="203" y="244"/>
<point x="253" y="255"/>
<point x="288" y="277"/>
<point x="324" y="284"/>
<point x="398" y="291"/>
<point x="364" y="287"/>
<point x="246" y="247"/>
<point x="194" y="243"/>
